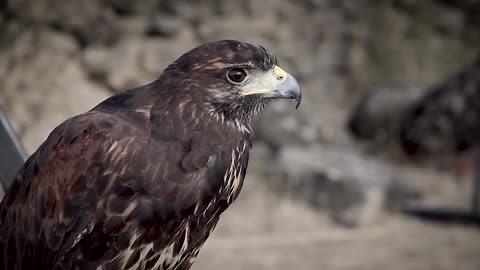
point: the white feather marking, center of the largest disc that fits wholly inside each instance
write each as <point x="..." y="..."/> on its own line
<point x="129" y="209"/>
<point x="143" y="254"/>
<point x="166" y="256"/>
<point x="181" y="107"/>
<point x="185" y="240"/>
<point x="125" y="255"/>
<point x="144" y="113"/>
<point x="112" y="147"/>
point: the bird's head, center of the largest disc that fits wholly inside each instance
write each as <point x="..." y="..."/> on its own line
<point x="236" y="79"/>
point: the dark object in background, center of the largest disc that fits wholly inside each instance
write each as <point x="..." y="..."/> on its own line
<point x="378" y="114"/>
<point x="439" y="123"/>
<point x="446" y="122"/>
<point x="447" y="119"/>
<point x="443" y="215"/>
<point x="12" y="153"/>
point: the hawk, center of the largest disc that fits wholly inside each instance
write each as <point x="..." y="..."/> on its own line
<point x="139" y="181"/>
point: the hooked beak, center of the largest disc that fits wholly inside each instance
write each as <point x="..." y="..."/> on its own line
<point x="289" y="89"/>
<point x="275" y="84"/>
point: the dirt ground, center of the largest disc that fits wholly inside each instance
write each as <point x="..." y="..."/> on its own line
<point x="401" y="243"/>
<point x="263" y="231"/>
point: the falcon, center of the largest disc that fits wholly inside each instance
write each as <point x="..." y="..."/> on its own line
<point x="140" y="181"/>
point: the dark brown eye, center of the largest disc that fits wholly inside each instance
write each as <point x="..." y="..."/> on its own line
<point x="236" y="75"/>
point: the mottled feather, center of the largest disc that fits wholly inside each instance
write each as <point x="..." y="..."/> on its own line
<point x="140" y="181"/>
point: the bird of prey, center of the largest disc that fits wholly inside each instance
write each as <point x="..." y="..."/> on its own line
<point x="139" y="181"/>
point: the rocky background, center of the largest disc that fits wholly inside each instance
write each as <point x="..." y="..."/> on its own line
<point x="315" y="196"/>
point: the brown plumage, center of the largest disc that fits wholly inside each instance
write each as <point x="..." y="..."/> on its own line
<point x="139" y="181"/>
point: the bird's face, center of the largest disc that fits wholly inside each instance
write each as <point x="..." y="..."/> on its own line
<point x="237" y="79"/>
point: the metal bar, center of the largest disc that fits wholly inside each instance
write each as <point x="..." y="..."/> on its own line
<point x="476" y="186"/>
<point x="12" y="153"/>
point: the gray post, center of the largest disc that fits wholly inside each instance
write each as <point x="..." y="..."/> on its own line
<point x="476" y="185"/>
<point x="12" y="153"/>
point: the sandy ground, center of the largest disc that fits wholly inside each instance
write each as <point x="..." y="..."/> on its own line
<point x="262" y="231"/>
<point x="401" y="243"/>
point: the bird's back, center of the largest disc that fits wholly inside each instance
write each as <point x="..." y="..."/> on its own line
<point x="106" y="190"/>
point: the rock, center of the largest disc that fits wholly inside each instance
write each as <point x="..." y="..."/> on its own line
<point x="379" y="113"/>
<point x="121" y="66"/>
<point x="88" y="21"/>
<point x="35" y="96"/>
<point x="315" y="121"/>
<point x="290" y="128"/>
<point x="129" y="7"/>
<point x="165" y="25"/>
<point x="354" y="205"/>
<point x="96" y="63"/>
<point x="266" y="212"/>
<point x="403" y="195"/>
<point x="133" y="27"/>
<point x="133" y="62"/>
<point x="252" y="30"/>
<point x="346" y="184"/>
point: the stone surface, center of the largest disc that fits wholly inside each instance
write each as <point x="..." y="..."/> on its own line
<point x="133" y="62"/>
<point x="350" y="188"/>
<point x="287" y="127"/>
<point x="43" y="84"/>
<point x="86" y="21"/>
<point x="379" y="113"/>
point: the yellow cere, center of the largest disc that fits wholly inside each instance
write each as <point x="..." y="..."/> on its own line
<point x="265" y="82"/>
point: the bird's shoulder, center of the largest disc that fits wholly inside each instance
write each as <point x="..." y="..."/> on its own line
<point x="55" y="192"/>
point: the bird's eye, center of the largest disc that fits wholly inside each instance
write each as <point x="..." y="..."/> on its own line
<point x="236" y="75"/>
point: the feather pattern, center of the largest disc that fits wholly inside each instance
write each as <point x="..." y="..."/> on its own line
<point x="138" y="182"/>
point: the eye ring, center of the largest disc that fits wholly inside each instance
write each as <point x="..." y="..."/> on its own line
<point x="236" y="75"/>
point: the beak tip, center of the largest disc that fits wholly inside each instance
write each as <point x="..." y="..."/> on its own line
<point x="297" y="97"/>
<point x="293" y="89"/>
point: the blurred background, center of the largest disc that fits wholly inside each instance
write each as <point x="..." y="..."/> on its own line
<point x="374" y="171"/>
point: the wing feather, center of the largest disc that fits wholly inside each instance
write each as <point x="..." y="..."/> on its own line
<point x="52" y="200"/>
<point x="98" y="186"/>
